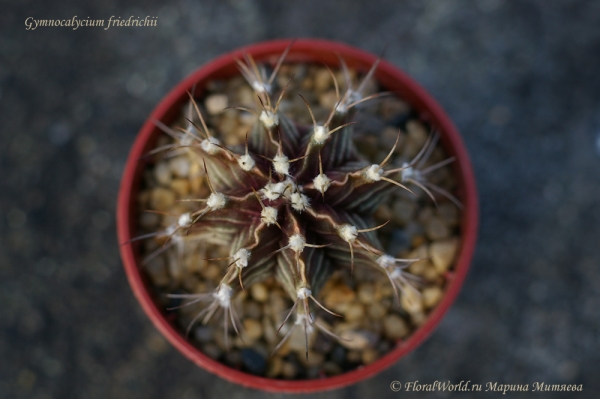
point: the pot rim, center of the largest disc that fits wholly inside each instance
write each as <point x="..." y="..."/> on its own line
<point x="307" y="50"/>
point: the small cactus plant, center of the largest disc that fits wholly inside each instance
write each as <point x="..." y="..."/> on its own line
<point x="294" y="202"/>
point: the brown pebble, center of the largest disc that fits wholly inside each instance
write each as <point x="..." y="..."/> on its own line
<point x="354" y="312"/>
<point x="392" y="107"/>
<point x="253" y="329"/>
<point x="181" y="187"/>
<point x="216" y="103"/>
<point x="314" y="359"/>
<point x="149" y="220"/>
<point x="430" y="274"/>
<point x="252" y="309"/>
<point x="162" y="174"/>
<point x="270" y="332"/>
<point x="369" y="355"/>
<point x="180" y="166"/>
<point x="416" y="137"/>
<point x="383" y="213"/>
<point x="411" y="301"/>
<point x="161" y="199"/>
<point x="449" y="213"/>
<point x="328" y="100"/>
<point x="367" y="293"/>
<point x="331" y="368"/>
<point x="339" y="297"/>
<point x="297" y="340"/>
<point x="322" y="80"/>
<point x="354" y="339"/>
<point x="403" y="212"/>
<point x="442" y="253"/>
<point x="274" y="367"/>
<point x="211" y="272"/>
<point x="418" y="318"/>
<point x="245" y="97"/>
<point x="388" y="138"/>
<point x="259" y="292"/>
<point x="436" y="229"/>
<point x="354" y="356"/>
<point x="432" y="296"/>
<point x="395" y="327"/>
<point x="289" y="370"/>
<point x="376" y="311"/>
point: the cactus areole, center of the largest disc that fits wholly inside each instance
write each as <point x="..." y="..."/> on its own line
<point x="295" y="204"/>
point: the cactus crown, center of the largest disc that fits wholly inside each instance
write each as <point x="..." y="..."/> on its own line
<point x="294" y="202"/>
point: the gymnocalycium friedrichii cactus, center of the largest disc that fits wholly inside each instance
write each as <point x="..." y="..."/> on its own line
<point x="294" y="203"/>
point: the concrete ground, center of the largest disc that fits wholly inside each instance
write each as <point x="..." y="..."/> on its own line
<point x="520" y="79"/>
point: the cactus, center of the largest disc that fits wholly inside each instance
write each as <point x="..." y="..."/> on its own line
<point x="294" y="202"/>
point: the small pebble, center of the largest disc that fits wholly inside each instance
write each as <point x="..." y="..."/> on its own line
<point x="162" y="174"/>
<point x="395" y="327"/>
<point x="354" y="312"/>
<point x="149" y="220"/>
<point x="391" y="107"/>
<point x="332" y="368"/>
<point x="322" y="80"/>
<point x="367" y="293"/>
<point x="270" y="332"/>
<point x="253" y="329"/>
<point x="216" y="103"/>
<point x="180" y="166"/>
<point x="436" y="229"/>
<point x="161" y="199"/>
<point x="383" y="213"/>
<point x="376" y="311"/>
<point x="211" y="271"/>
<point x="275" y="366"/>
<point x="254" y="361"/>
<point x="338" y="298"/>
<point x="297" y="341"/>
<point x="369" y="355"/>
<point x="354" y="356"/>
<point x="411" y="301"/>
<point x="252" y="310"/>
<point x="314" y="359"/>
<point x="432" y="296"/>
<point x="449" y="213"/>
<point x="181" y="187"/>
<point x="354" y="339"/>
<point x="245" y="96"/>
<point x="259" y="292"/>
<point x="328" y="100"/>
<point x="289" y="370"/>
<point x="442" y="253"/>
<point x="418" y="318"/>
<point x="402" y="212"/>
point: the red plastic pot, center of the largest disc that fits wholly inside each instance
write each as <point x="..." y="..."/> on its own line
<point x="317" y="51"/>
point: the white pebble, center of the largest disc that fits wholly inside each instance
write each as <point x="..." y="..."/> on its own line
<point x="216" y="103"/>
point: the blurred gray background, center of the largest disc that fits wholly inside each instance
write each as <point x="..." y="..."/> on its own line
<point x="519" y="78"/>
